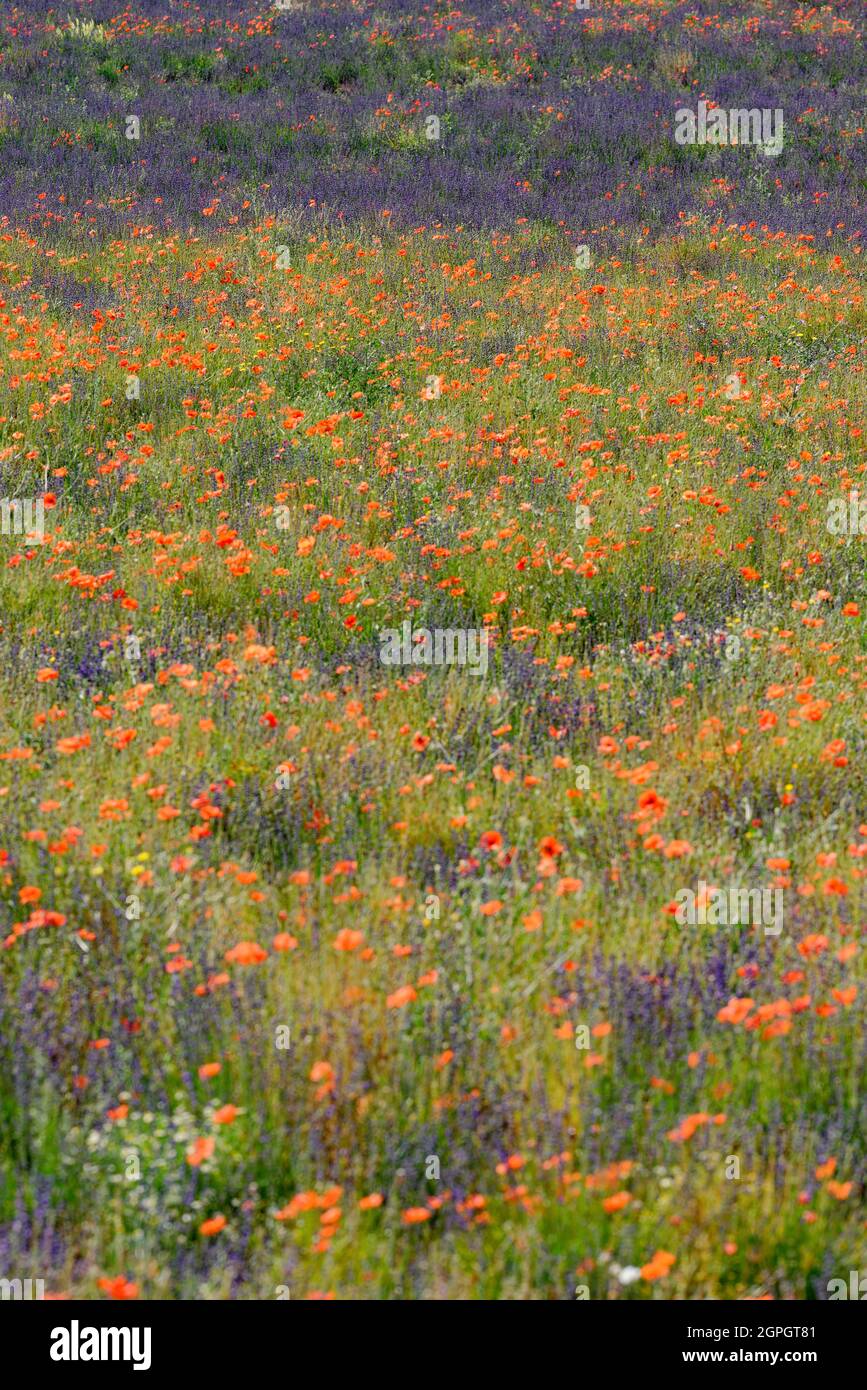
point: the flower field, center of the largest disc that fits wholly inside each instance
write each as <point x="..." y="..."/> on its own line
<point x="433" y="737"/>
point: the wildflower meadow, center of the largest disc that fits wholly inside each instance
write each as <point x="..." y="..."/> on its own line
<point x="433" y="738"/>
